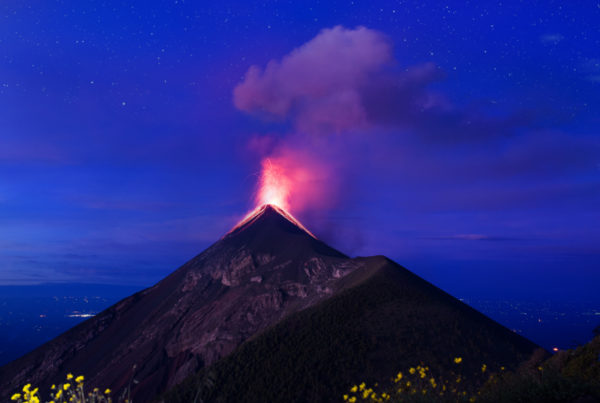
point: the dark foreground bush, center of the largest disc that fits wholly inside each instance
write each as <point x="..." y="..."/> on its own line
<point x="571" y="376"/>
<point x="568" y="376"/>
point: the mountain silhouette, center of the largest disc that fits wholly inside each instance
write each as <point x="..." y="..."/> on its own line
<point x="267" y="286"/>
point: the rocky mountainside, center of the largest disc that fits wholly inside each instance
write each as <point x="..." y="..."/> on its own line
<point x="264" y="269"/>
<point x="382" y="319"/>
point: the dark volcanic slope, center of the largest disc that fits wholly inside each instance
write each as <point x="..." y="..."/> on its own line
<point x="250" y="279"/>
<point x="383" y="319"/>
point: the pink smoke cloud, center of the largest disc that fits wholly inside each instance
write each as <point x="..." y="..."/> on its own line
<point x="311" y="180"/>
<point x="319" y="83"/>
<point x="348" y="79"/>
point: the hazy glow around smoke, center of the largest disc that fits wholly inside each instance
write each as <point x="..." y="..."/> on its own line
<point x="296" y="180"/>
<point x="275" y="186"/>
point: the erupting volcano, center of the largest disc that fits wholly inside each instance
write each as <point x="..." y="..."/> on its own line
<point x="258" y="211"/>
<point x="268" y="304"/>
<point x="274" y="191"/>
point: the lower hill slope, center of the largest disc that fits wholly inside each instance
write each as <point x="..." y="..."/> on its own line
<point x="384" y="319"/>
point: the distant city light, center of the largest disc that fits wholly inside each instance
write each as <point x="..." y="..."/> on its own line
<point x="80" y="315"/>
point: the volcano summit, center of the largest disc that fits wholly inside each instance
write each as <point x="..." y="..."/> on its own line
<point x="268" y="282"/>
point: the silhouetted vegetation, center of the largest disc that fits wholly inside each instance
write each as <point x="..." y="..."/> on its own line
<point x="568" y="376"/>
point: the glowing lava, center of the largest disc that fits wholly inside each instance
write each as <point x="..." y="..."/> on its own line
<point x="274" y="191"/>
<point x="258" y="211"/>
<point x="275" y="186"/>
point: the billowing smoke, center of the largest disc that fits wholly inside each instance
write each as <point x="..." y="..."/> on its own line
<point x="343" y="85"/>
<point x="319" y="84"/>
<point x="343" y="79"/>
<point x="297" y="178"/>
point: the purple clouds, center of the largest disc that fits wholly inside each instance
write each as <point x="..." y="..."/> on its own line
<point x="348" y="79"/>
<point x="319" y="84"/>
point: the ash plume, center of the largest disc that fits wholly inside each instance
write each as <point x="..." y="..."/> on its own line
<point x="351" y="107"/>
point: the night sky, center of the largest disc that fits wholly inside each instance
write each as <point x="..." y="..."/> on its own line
<point x="460" y="139"/>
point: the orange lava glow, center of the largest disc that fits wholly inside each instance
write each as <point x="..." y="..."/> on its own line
<point x="275" y="186"/>
<point x="292" y="180"/>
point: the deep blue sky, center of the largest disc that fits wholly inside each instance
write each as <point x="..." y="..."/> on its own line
<point x="122" y="154"/>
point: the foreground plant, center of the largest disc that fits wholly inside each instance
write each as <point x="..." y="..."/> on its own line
<point x="417" y="385"/>
<point x="71" y="391"/>
<point x="567" y="376"/>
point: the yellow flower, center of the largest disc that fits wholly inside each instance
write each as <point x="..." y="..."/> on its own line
<point x="352" y="399"/>
<point x="69" y="376"/>
<point x="354" y="388"/>
<point x="79" y="379"/>
<point x="53" y="387"/>
<point x="457" y="360"/>
<point x="399" y="376"/>
<point x="501" y="368"/>
<point x="26" y="388"/>
<point x="412" y="370"/>
<point x="107" y="392"/>
<point x="483" y="368"/>
<point x="66" y="386"/>
<point x="362" y="386"/>
<point x="345" y="397"/>
<point x="16" y="396"/>
<point x="59" y="394"/>
<point x="408" y="384"/>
